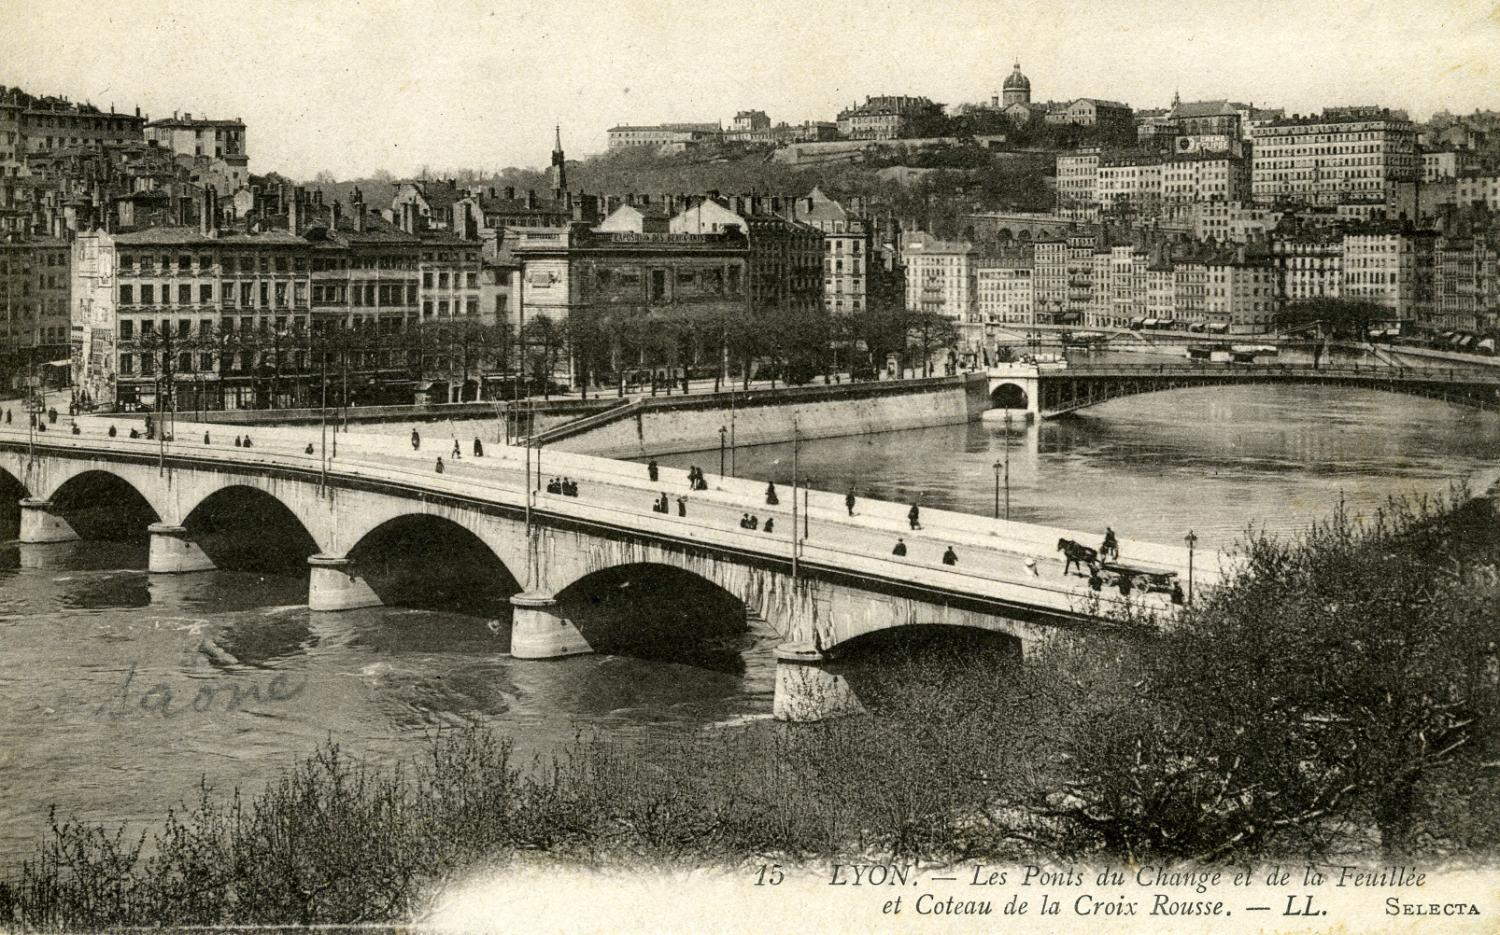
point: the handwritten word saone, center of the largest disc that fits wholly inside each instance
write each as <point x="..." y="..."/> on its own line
<point x="160" y="699"/>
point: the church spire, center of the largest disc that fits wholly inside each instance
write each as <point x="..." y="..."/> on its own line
<point x="559" y="170"/>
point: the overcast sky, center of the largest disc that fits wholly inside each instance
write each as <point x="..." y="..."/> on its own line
<point x="352" y="87"/>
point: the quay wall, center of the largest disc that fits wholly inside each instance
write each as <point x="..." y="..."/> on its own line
<point x="664" y="426"/>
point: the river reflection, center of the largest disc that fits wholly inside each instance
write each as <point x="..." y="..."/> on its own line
<point x="87" y="634"/>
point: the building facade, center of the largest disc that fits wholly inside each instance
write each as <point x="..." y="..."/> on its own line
<point x="888" y="117"/>
<point x="1363" y="160"/>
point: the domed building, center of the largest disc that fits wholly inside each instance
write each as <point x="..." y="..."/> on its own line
<point x="1016" y="90"/>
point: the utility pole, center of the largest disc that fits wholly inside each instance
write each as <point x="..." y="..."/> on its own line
<point x="1007" y="467"/>
<point x="323" y="420"/>
<point x="795" y="546"/>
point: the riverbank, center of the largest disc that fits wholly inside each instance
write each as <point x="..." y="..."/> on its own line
<point x="1358" y="657"/>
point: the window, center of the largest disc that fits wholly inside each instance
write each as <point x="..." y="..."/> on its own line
<point x="471" y="280"/>
<point x="658" y="285"/>
<point x="184" y="263"/>
<point x="427" y="280"/>
<point x="148" y="294"/>
<point x="185" y="294"/>
<point x="127" y="295"/>
<point x="127" y="262"/>
<point x="205" y="293"/>
<point x="127" y="363"/>
<point x="127" y="329"/>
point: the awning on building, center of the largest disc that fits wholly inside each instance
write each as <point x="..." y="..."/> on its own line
<point x="1149" y="323"/>
<point x="60" y="363"/>
<point x="1137" y="322"/>
<point x="1486" y="344"/>
<point x="1466" y="340"/>
<point x="1218" y="327"/>
<point x="1196" y="326"/>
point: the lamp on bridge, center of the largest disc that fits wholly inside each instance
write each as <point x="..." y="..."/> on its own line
<point x="723" y="434"/>
<point x="1005" y="465"/>
<point x="1190" y="539"/>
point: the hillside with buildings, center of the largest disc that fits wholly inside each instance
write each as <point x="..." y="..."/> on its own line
<point x="144" y="259"/>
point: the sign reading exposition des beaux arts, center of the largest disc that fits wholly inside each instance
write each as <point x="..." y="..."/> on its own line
<point x="698" y="466"/>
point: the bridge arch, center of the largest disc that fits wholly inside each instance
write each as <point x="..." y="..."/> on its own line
<point x="241" y="527"/>
<point x="424" y="560"/>
<point x="908" y="672"/>
<point x="1009" y="396"/>
<point x="100" y="504"/>
<point x="12" y="491"/>
<point x="658" y="611"/>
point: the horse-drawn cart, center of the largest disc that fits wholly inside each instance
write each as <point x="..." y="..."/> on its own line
<point x="1143" y="577"/>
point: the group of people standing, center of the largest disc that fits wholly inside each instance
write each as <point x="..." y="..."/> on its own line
<point x="749" y="521"/>
<point x="565" y="486"/>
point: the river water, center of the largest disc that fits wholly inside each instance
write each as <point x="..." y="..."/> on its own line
<point x="119" y="691"/>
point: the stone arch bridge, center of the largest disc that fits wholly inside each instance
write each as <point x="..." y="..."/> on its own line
<point x="843" y="583"/>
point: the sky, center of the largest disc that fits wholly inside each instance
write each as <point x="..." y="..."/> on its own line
<point x="355" y="86"/>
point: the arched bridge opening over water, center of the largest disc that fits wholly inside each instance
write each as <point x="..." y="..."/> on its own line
<point x="1050" y="391"/>
<point x="378" y="525"/>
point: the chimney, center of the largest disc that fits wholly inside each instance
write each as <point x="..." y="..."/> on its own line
<point x="492" y="193"/>
<point x="294" y="213"/>
<point x="630" y="198"/>
<point x="335" y="211"/>
<point x="203" y="214"/>
<point x="530" y="199"/>
<point x="510" y="193"/>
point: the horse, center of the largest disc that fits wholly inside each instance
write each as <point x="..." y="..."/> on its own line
<point x="1076" y="553"/>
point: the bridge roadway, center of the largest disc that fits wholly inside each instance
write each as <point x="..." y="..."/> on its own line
<point x="846" y="582"/>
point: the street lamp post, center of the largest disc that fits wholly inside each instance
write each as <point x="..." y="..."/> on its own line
<point x="1191" y="538"/>
<point x="723" y="435"/>
<point x="997" y="489"/>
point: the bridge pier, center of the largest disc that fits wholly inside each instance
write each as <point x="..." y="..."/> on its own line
<point x="172" y="552"/>
<point x="807" y="690"/>
<point x="333" y="585"/>
<point x="538" y="631"/>
<point x="40" y="525"/>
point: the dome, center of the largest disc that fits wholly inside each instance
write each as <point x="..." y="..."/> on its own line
<point x="1016" y="81"/>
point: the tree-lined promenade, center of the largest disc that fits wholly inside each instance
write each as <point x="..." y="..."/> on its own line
<point x="473" y="360"/>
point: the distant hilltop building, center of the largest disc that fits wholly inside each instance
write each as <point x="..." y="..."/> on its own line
<point x="887" y="117"/>
<point x="664" y="137"/>
<point x="1016" y="90"/>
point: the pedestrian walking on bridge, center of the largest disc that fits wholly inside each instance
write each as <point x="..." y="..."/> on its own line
<point x="416" y="440"/>
<point x="439" y="466"/>
<point x="478" y="447"/>
<point x="900" y="549"/>
<point x="950" y="557"/>
<point x="651" y="470"/>
<point x="914" y="516"/>
<point x="849" y="501"/>
<point x="771" y="498"/>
